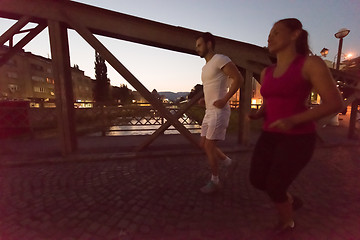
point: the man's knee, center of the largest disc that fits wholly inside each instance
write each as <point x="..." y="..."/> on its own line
<point x="209" y="145"/>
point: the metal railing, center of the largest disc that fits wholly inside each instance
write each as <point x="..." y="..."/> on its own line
<point x="108" y="120"/>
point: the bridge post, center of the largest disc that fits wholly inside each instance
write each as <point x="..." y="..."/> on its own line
<point x="244" y="109"/>
<point x="353" y="115"/>
<point x="63" y="86"/>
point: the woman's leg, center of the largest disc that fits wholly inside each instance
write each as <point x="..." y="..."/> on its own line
<point x="292" y="155"/>
<point x="261" y="161"/>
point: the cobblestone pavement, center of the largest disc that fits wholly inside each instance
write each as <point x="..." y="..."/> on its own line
<point x="159" y="198"/>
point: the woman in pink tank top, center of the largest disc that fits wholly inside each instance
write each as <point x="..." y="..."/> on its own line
<point x="288" y="139"/>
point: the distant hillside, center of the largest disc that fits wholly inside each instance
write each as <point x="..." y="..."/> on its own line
<point x="173" y="96"/>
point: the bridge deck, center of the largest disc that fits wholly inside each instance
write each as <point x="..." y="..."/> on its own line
<point x="146" y="197"/>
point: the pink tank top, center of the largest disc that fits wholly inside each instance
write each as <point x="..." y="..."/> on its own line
<point x="286" y="96"/>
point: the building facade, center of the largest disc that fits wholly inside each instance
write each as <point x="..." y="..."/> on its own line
<point x="30" y="77"/>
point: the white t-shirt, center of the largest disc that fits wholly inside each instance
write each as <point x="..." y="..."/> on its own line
<point x="215" y="82"/>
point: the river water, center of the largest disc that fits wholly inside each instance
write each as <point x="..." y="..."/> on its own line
<point x="145" y="127"/>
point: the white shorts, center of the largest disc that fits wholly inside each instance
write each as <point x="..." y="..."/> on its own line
<point x="214" y="124"/>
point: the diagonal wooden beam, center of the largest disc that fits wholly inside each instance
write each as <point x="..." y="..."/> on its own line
<point x="25" y="40"/>
<point x="6" y="36"/>
<point x="126" y="74"/>
<point x="166" y="125"/>
<point x="353" y="115"/>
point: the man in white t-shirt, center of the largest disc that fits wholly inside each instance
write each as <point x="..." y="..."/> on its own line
<point x="221" y="79"/>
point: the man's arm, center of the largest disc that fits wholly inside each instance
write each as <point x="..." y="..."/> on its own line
<point x="233" y="73"/>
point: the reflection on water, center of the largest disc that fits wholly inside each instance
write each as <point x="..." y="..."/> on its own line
<point x="146" y="130"/>
<point x="146" y="126"/>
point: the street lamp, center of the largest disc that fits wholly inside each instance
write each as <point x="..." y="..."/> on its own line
<point x="340" y="34"/>
<point x="324" y="52"/>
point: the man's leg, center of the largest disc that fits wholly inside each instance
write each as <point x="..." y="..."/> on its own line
<point x="211" y="153"/>
<point x="222" y="124"/>
<point x="228" y="162"/>
<point x="219" y="154"/>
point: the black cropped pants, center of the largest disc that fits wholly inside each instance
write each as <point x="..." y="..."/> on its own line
<point x="277" y="160"/>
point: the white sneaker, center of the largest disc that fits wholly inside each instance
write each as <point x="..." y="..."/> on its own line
<point x="210" y="187"/>
<point x="229" y="169"/>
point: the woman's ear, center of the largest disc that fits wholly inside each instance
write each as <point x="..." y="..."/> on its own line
<point x="296" y="34"/>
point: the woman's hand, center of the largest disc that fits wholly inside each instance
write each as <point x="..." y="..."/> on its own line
<point x="283" y="124"/>
<point x="255" y="115"/>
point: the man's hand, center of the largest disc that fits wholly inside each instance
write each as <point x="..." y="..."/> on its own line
<point x="220" y="103"/>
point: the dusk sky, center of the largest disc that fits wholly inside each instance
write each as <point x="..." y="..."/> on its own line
<point x="246" y="21"/>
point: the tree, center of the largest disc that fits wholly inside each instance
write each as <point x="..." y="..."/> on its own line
<point x="197" y="88"/>
<point x="122" y="94"/>
<point x="102" y="83"/>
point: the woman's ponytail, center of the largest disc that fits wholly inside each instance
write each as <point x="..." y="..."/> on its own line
<point x="302" y="45"/>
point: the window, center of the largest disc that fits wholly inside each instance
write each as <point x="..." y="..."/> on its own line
<point x="38" y="79"/>
<point x="49" y="80"/>
<point x="37" y="67"/>
<point x="12" y="75"/>
<point x="13" y="88"/>
<point x="39" y="89"/>
<point x="11" y="62"/>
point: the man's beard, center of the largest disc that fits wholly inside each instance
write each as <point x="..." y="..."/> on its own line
<point x="206" y="51"/>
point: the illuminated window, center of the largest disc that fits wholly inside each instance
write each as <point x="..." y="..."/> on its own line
<point x="13" y="88"/>
<point x="39" y="89"/>
<point x="49" y="80"/>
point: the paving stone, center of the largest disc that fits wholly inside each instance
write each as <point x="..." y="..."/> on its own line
<point x="103" y="231"/>
<point x="132" y="228"/>
<point x="94" y="227"/>
<point x="144" y="229"/>
<point x="123" y="224"/>
<point x="86" y="236"/>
